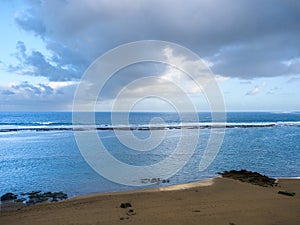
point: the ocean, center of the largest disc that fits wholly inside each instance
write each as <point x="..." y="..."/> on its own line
<point x="38" y="151"/>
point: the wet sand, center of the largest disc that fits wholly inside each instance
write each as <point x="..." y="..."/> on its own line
<point x="214" y="201"/>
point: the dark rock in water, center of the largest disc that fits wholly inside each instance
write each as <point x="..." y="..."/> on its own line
<point x="30" y="198"/>
<point x="56" y="196"/>
<point x="59" y="195"/>
<point x="125" y="205"/>
<point x="249" y="177"/>
<point x="20" y="200"/>
<point x="37" y="197"/>
<point x="31" y="193"/>
<point x="154" y="180"/>
<point x="8" y="197"/>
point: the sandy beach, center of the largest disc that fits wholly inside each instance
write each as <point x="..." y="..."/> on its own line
<point x="213" y="201"/>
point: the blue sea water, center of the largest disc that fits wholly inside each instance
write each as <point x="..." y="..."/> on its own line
<point x="38" y="151"/>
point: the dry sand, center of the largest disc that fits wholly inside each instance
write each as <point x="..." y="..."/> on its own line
<point x="215" y="201"/>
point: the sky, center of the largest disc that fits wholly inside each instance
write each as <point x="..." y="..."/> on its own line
<point x="252" y="48"/>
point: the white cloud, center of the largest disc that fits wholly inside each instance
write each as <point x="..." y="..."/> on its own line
<point x="254" y="91"/>
<point x="246" y="82"/>
<point x="57" y="85"/>
<point x="192" y="83"/>
<point x="220" y="78"/>
<point x="257" y="89"/>
<point x="37" y="97"/>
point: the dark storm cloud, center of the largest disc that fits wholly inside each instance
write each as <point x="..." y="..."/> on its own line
<point x="129" y="74"/>
<point x="244" y="39"/>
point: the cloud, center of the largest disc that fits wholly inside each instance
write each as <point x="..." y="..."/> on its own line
<point x="29" y="21"/>
<point x="36" y="64"/>
<point x="246" y="82"/>
<point x="259" y="59"/>
<point x="244" y="39"/>
<point x="256" y="89"/>
<point x="220" y="78"/>
<point x="36" y="97"/>
<point x="237" y="39"/>
<point x="28" y="88"/>
<point x="58" y="85"/>
<point x="273" y="90"/>
<point x="7" y="92"/>
<point x="293" y="80"/>
<point x="142" y="79"/>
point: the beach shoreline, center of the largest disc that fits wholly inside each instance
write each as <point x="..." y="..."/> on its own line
<point x="213" y="201"/>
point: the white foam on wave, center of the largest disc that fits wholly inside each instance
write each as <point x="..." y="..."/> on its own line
<point x="288" y="178"/>
<point x="184" y="125"/>
<point x="44" y="123"/>
<point x="288" y="123"/>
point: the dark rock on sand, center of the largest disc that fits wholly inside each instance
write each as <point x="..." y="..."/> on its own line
<point x="288" y="193"/>
<point x="249" y="177"/>
<point x="125" y="205"/>
<point x="131" y="212"/>
<point x="8" y="197"/>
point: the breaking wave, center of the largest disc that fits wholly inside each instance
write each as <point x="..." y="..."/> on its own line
<point x="50" y="126"/>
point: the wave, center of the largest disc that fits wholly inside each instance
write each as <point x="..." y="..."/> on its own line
<point x="288" y="123"/>
<point x="47" y="123"/>
<point x="49" y="126"/>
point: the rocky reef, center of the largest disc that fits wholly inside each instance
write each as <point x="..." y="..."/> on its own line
<point x="250" y="177"/>
<point x="31" y="198"/>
